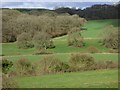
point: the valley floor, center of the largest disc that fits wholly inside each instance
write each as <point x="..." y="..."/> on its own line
<point x="88" y="79"/>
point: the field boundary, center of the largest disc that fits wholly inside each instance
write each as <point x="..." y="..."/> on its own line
<point x="53" y="54"/>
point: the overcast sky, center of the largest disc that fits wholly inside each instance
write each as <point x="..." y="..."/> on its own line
<point x="51" y="5"/>
<point x="59" y="0"/>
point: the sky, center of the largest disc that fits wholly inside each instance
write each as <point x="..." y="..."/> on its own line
<point x="51" y="5"/>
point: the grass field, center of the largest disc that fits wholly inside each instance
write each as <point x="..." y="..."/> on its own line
<point x="62" y="50"/>
<point x="61" y="47"/>
<point x="89" y="79"/>
<point x="94" y="29"/>
<point x="65" y="57"/>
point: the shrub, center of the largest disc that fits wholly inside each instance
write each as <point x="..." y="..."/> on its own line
<point x="24" y="41"/>
<point x="65" y="67"/>
<point x="111" y="64"/>
<point x="23" y="62"/>
<point x="42" y="41"/>
<point x="8" y="82"/>
<point x="110" y="37"/>
<point x="81" y="61"/>
<point x="24" y="67"/>
<point x="8" y="33"/>
<point x="93" y="49"/>
<point x="13" y="74"/>
<point x="104" y="65"/>
<point x="15" y="23"/>
<point x="75" y="39"/>
<point x="50" y="44"/>
<point x="51" y="64"/>
<point x="99" y="65"/>
<point x="6" y="65"/>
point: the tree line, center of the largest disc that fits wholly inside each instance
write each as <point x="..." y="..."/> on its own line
<point x="98" y="11"/>
<point x="15" y="23"/>
<point x="37" y="31"/>
<point x="26" y="26"/>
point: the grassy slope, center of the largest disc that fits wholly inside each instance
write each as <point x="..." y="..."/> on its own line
<point x="65" y="57"/>
<point x="94" y="29"/>
<point x="62" y="50"/>
<point x="93" y="79"/>
<point x="61" y="47"/>
<point x="103" y="78"/>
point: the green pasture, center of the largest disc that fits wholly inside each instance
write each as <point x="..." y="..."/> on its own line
<point x="10" y="49"/>
<point x="94" y="28"/>
<point x="89" y="79"/>
<point x="62" y="46"/>
<point x="65" y="57"/>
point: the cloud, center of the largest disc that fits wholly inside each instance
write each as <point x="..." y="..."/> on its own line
<point x="50" y="5"/>
<point x="60" y="1"/>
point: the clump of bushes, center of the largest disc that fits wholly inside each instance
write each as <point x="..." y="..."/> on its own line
<point x="93" y="49"/>
<point x="24" y="41"/>
<point x="24" y="67"/>
<point x="8" y="82"/>
<point x="105" y="65"/>
<point x="6" y="65"/>
<point x="110" y="37"/>
<point x="42" y="41"/>
<point x="111" y="64"/>
<point x="50" y="45"/>
<point x="83" y="62"/>
<point x="80" y="62"/>
<point x="51" y="64"/>
<point x="75" y="39"/>
<point x="15" y="23"/>
<point x="99" y="65"/>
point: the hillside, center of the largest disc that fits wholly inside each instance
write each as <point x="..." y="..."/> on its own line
<point x="103" y="78"/>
